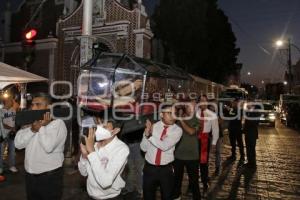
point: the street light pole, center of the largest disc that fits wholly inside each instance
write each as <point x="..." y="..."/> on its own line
<point x="290" y="77"/>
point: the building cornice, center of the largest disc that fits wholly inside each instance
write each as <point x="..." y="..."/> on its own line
<point x="121" y="28"/>
<point x="43" y="44"/>
<point x="144" y="31"/>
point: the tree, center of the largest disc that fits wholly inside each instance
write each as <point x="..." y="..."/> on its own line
<point x="196" y="36"/>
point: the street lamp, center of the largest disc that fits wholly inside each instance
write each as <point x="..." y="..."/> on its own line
<point x="285" y="82"/>
<point x="280" y="43"/>
<point x="246" y="75"/>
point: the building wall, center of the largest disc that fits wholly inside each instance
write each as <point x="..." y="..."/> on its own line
<point x="296" y="73"/>
<point x="273" y="90"/>
<point x="296" y="76"/>
<point x="44" y="59"/>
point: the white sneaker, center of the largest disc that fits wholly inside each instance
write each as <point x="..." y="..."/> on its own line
<point x="178" y="198"/>
<point x="1" y="170"/>
<point x="13" y="169"/>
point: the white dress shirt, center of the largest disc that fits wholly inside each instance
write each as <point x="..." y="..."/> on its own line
<point x="211" y="124"/>
<point x="44" y="150"/>
<point x="103" y="169"/>
<point x="167" y="145"/>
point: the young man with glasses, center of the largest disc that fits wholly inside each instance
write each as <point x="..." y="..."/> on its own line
<point x="158" y="143"/>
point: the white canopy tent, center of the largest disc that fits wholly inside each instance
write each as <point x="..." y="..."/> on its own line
<point x="4" y="84"/>
<point x="10" y="75"/>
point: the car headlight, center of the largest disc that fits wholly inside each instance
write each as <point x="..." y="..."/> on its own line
<point x="272" y="116"/>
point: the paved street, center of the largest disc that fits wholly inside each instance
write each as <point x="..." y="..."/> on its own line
<point x="277" y="175"/>
<point x="278" y="170"/>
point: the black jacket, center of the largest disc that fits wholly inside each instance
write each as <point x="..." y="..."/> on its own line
<point x="235" y="125"/>
<point x="251" y="125"/>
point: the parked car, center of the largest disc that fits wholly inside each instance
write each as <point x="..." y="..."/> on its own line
<point x="290" y="115"/>
<point x="289" y="108"/>
<point x="267" y="114"/>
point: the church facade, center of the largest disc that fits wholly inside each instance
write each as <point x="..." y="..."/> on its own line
<point x="119" y="26"/>
<point x="115" y="27"/>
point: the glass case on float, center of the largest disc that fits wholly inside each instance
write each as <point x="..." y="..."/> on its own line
<point x="123" y="82"/>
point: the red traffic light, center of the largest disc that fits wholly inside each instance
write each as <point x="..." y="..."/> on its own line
<point x="31" y="34"/>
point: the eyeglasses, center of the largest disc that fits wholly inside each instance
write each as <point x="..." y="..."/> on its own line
<point x="38" y="104"/>
<point x="167" y="113"/>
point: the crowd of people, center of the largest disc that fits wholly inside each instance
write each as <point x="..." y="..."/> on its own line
<point x="183" y="138"/>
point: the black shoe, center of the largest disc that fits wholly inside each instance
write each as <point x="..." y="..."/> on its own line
<point x="242" y="158"/>
<point x="188" y="192"/>
<point x="217" y="171"/>
<point x="125" y="192"/>
<point x="231" y="158"/>
<point x="205" y="188"/>
<point x="176" y="198"/>
<point x="250" y="165"/>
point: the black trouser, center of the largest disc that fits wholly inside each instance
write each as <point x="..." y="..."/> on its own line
<point x="45" y="186"/>
<point x="154" y="176"/>
<point x="250" y="148"/>
<point x="119" y="197"/>
<point x="192" y="167"/>
<point x="235" y="136"/>
<point x="204" y="174"/>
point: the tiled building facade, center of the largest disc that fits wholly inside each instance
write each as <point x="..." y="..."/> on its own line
<point x="118" y="29"/>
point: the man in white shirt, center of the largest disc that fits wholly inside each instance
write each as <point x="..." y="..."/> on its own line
<point x="103" y="162"/>
<point x="158" y="143"/>
<point x="209" y="130"/>
<point x="44" y="142"/>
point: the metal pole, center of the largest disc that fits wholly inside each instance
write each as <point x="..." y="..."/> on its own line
<point x="87" y="17"/>
<point x="23" y="103"/>
<point x="86" y="41"/>
<point x="290" y="80"/>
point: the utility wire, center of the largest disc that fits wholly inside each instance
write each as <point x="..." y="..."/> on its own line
<point x="37" y="10"/>
<point x="249" y="36"/>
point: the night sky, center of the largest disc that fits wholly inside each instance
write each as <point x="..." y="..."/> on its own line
<point x="256" y="24"/>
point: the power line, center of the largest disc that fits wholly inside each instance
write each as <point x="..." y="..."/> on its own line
<point x="37" y="10"/>
<point x="249" y="36"/>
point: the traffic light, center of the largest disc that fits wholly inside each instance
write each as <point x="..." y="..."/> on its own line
<point x="30" y="36"/>
<point x="28" y="44"/>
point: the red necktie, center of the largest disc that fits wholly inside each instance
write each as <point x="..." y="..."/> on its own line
<point x="203" y="137"/>
<point x="158" y="153"/>
<point x="201" y="123"/>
